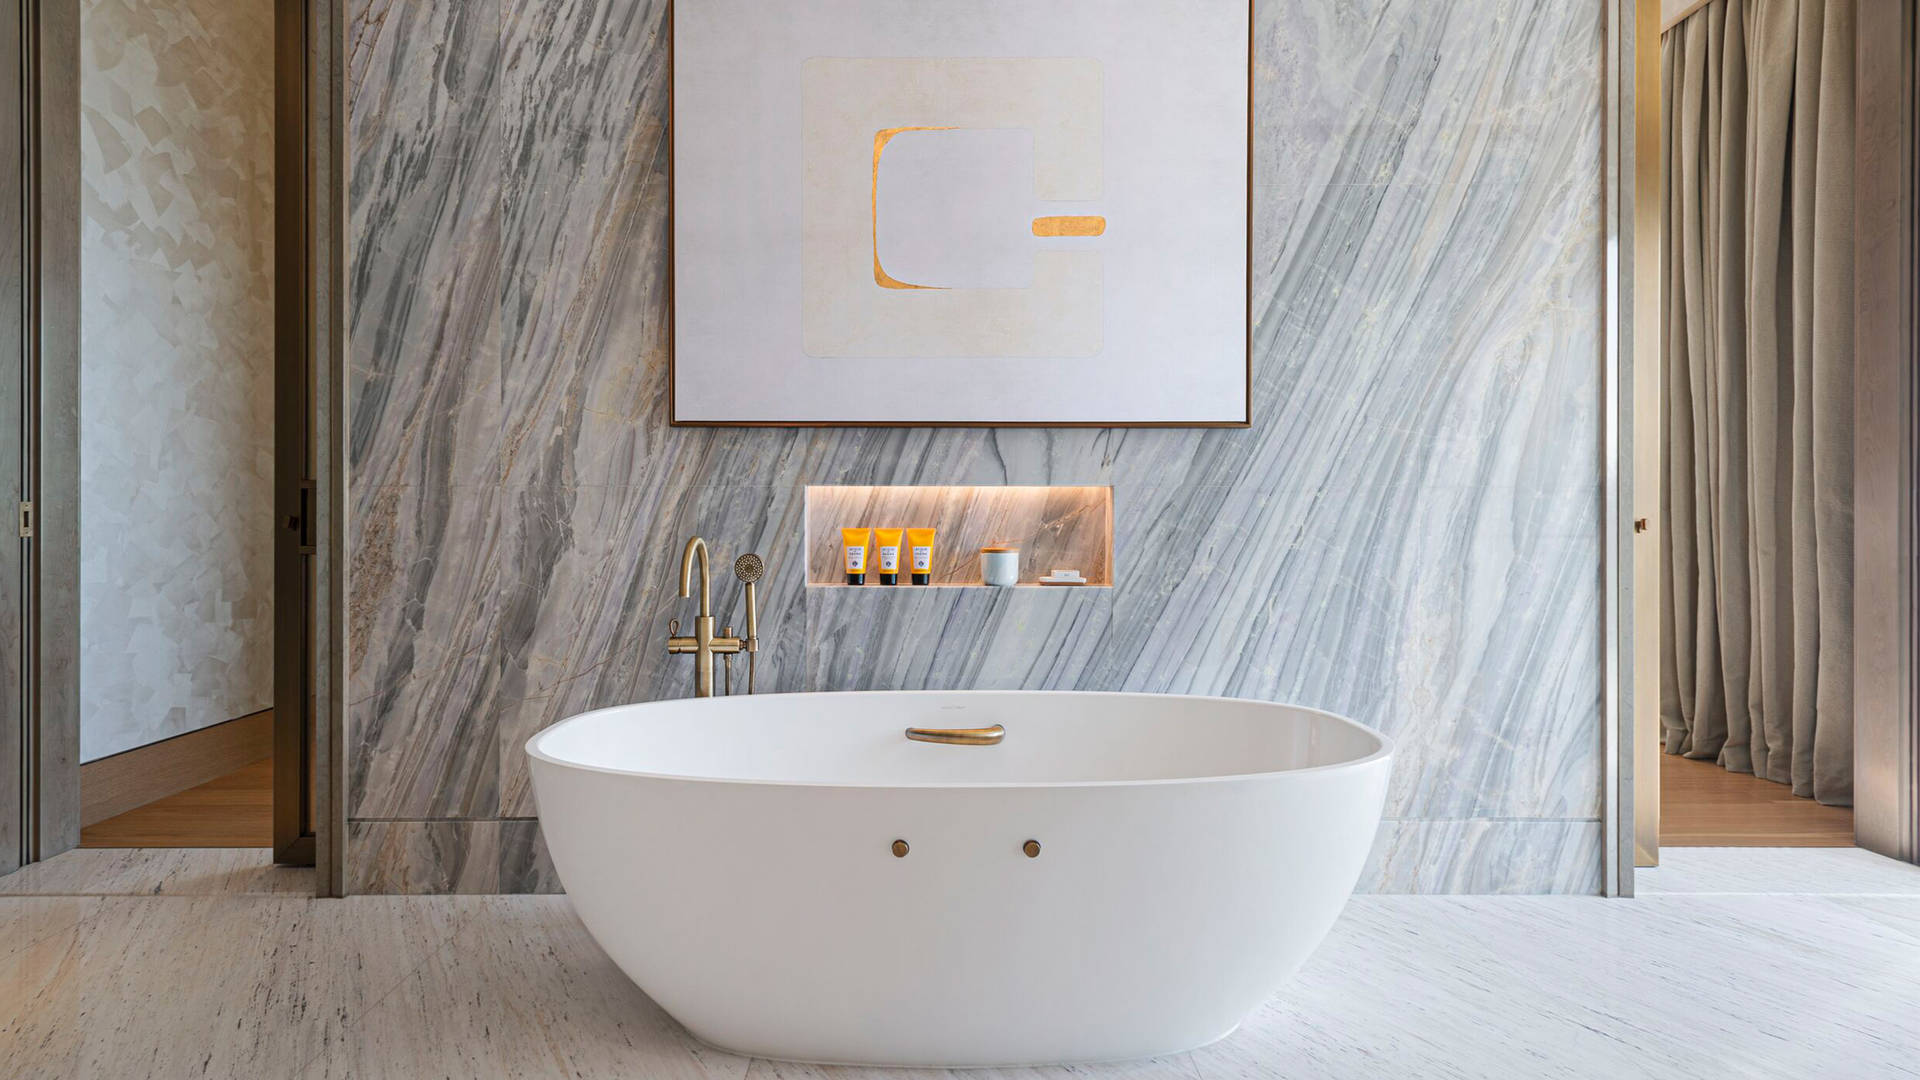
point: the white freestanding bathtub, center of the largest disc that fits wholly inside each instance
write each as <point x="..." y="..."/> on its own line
<point x="736" y="857"/>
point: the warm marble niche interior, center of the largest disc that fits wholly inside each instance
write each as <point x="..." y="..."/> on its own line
<point x="1055" y="527"/>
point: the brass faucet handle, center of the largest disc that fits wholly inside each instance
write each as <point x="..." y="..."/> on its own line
<point x="983" y="736"/>
<point x="678" y="644"/>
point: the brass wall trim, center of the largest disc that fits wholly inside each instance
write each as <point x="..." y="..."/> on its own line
<point x="984" y="736"/>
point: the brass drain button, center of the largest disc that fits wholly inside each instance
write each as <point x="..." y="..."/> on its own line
<point x="1032" y="848"/>
<point x="900" y="849"/>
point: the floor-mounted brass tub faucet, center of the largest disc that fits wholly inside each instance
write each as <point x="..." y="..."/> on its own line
<point x="703" y="644"/>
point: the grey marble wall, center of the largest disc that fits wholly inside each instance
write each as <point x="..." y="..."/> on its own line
<point x="176" y="367"/>
<point x="1409" y="534"/>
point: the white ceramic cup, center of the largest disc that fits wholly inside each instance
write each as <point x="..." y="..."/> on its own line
<point x="1000" y="568"/>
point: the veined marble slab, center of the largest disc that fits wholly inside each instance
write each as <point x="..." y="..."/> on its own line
<point x="1409" y="534"/>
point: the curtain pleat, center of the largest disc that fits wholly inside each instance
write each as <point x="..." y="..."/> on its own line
<point x="1757" y="308"/>
<point x="1830" y="408"/>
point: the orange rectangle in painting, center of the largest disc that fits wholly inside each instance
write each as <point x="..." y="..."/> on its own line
<point x="1069" y="226"/>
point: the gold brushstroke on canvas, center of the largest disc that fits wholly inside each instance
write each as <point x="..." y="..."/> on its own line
<point x="1069" y="226"/>
<point x="880" y="275"/>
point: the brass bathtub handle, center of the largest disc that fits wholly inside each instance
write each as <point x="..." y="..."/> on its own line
<point x="976" y="736"/>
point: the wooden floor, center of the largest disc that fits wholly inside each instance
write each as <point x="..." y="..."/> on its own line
<point x="1704" y="805"/>
<point x="235" y="810"/>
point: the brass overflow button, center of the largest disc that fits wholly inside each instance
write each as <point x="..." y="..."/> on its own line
<point x="900" y="849"/>
<point x="1032" y="848"/>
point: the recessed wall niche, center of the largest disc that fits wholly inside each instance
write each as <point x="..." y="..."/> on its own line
<point x="1055" y="528"/>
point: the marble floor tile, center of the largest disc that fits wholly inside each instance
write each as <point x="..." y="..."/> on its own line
<point x="25" y="920"/>
<point x="1900" y="914"/>
<point x="1777" y="870"/>
<point x="208" y="986"/>
<point x="525" y="993"/>
<point x="1176" y="1067"/>
<point x="1575" y="987"/>
<point x="159" y="872"/>
<point x="1679" y="986"/>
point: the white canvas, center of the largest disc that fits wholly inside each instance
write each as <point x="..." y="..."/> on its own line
<point x="962" y="211"/>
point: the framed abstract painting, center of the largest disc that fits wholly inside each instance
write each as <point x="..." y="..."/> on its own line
<point x="961" y="212"/>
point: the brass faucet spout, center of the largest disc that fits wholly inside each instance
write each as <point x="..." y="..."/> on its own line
<point x="696" y="546"/>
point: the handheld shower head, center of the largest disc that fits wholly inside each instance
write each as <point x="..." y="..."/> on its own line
<point x="748" y="568"/>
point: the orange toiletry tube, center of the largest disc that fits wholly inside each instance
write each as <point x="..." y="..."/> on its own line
<point x="854" y="543"/>
<point x="886" y="552"/>
<point x="920" y="556"/>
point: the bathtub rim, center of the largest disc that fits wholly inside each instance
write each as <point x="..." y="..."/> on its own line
<point x="1381" y="755"/>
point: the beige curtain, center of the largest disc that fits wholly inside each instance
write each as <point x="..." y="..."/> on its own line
<point x="1757" y="313"/>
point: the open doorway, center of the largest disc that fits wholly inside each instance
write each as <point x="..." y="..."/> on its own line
<point x="1775" y="549"/>
<point x="171" y="629"/>
<point x="176" y="431"/>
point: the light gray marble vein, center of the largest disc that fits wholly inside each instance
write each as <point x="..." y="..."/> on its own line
<point x="424" y="857"/>
<point x="1408" y="534"/>
<point x="1477" y="855"/>
<point x="424" y="356"/>
<point x="231" y="986"/>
